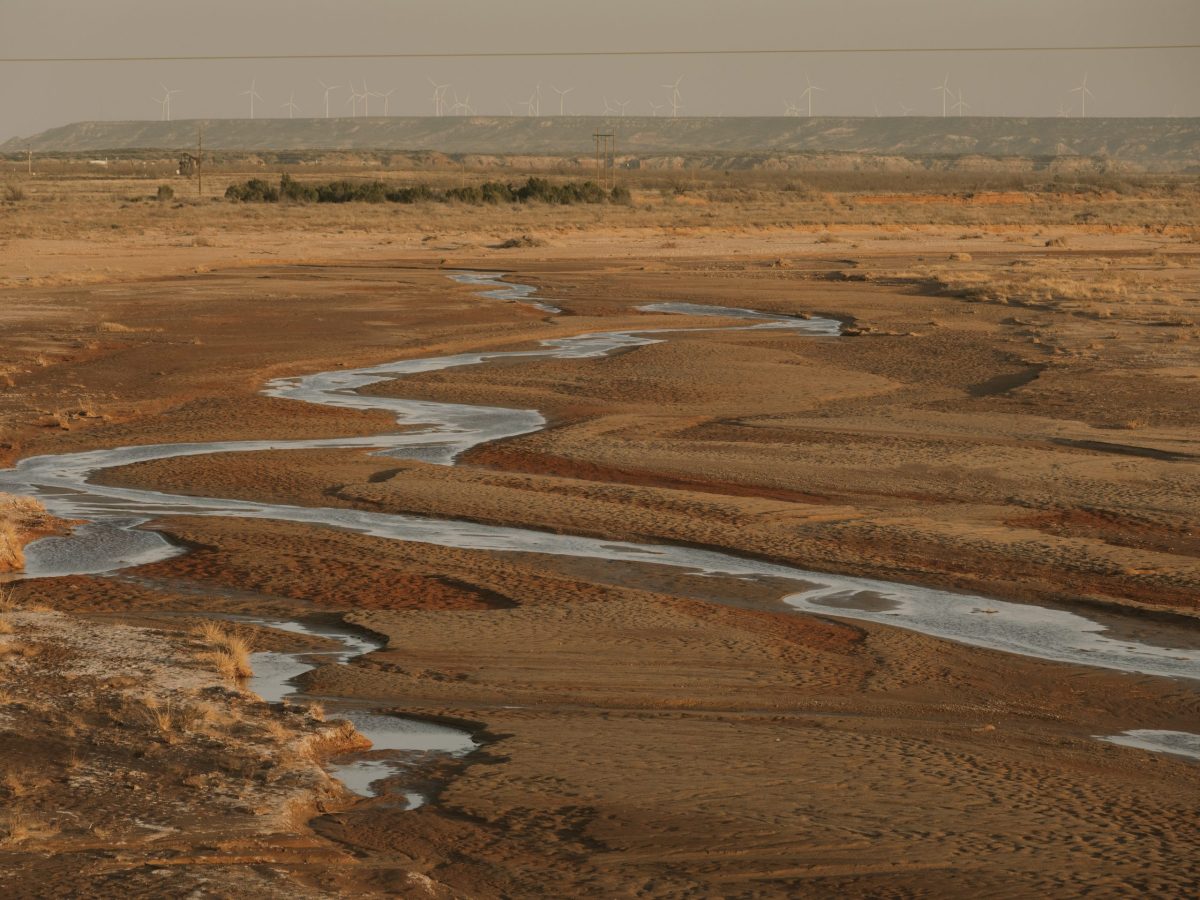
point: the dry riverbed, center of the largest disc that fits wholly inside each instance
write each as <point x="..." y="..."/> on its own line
<point x="979" y="429"/>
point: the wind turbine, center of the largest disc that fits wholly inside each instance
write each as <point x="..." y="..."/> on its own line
<point x="387" y="97"/>
<point x="1083" y="93"/>
<point x="366" y="99"/>
<point x="562" y="95"/>
<point x="162" y="107"/>
<point x="655" y="107"/>
<point x="290" y="106"/>
<point x="609" y="109"/>
<point x="808" y="92"/>
<point x="461" y="107"/>
<point x="167" y="92"/>
<point x="944" y="87"/>
<point x="530" y="105"/>
<point x="905" y="110"/>
<point x="790" y="109"/>
<point x="353" y="100"/>
<point x="960" y="104"/>
<point x="1063" y="111"/>
<point x="674" y="100"/>
<point x="328" y="88"/>
<point x="621" y="104"/>
<point x="252" y="94"/>
<point x="439" y="96"/>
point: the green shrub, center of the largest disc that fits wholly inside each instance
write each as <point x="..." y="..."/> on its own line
<point x="253" y="191"/>
<point x="298" y="192"/>
<point x="534" y="190"/>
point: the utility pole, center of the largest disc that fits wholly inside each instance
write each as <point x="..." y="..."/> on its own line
<point x="29" y="161"/>
<point x="199" y="160"/>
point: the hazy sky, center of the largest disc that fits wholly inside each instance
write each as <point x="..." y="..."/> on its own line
<point x="34" y="96"/>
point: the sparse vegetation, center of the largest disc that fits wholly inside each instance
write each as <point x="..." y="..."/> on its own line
<point x="14" y="193"/>
<point x="191" y="757"/>
<point x="165" y="193"/>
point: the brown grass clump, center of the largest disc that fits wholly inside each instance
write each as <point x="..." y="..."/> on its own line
<point x="25" y="651"/>
<point x="278" y="731"/>
<point x="229" y="665"/>
<point x="230" y="652"/>
<point x="20" y="519"/>
<point x="159" y="717"/>
<point x="211" y="632"/>
<point x="12" y="554"/>
<point x="17" y="827"/>
<point x="342" y="737"/>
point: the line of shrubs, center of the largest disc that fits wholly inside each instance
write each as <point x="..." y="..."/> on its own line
<point x="537" y="190"/>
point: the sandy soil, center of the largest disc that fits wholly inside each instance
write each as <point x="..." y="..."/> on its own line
<point x="1019" y="422"/>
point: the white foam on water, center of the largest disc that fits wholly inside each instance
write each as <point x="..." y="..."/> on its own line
<point x="1176" y="743"/>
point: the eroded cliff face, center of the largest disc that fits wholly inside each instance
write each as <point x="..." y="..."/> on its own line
<point x="22" y="520"/>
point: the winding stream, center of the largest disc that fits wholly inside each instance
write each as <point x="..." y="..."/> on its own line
<point x="439" y="432"/>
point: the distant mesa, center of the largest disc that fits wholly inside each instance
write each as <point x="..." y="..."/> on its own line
<point x="1169" y="144"/>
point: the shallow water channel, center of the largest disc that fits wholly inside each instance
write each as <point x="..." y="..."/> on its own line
<point x="438" y="433"/>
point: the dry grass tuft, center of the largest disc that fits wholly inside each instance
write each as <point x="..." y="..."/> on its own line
<point x="230" y="652"/>
<point x="278" y="731"/>
<point x="340" y="739"/>
<point x="159" y="717"/>
<point x="20" y="517"/>
<point x="199" y="715"/>
<point x="12" y="556"/>
<point x="230" y="666"/>
<point x="211" y="632"/>
<point x="18" y="827"/>
<point x="25" y="651"/>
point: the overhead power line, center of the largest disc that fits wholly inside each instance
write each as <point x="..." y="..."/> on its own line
<point x="530" y="54"/>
